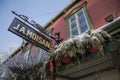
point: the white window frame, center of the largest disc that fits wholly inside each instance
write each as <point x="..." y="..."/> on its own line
<point x="78" y="26"/>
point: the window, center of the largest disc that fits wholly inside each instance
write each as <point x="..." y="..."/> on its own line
<point x="43" y="55"/>
<point x="26" y="52"/>
<point x="78" y="21"/>
<point x="82" y="22"/>
<point x="73" y="26"/>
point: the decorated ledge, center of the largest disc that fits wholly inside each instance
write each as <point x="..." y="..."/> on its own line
<point x="72" y="51"/>
<point x="90" y="40"/>
<point x="80" y="48"/>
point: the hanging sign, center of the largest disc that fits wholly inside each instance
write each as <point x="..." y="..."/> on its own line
<point x="28" y="33"/>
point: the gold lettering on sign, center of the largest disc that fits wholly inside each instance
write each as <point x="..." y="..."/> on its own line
<point x="29" y="33"/>
<point x="22" y="30"/>
<point x="17" y="27"/>
<point x="47" y="44"/>
<point x="32" y="35"/>
<point x="40" y="40"/>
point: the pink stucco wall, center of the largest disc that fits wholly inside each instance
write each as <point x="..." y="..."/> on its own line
<point x="97" y="10"/>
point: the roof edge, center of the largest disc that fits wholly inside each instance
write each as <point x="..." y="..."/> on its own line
<point x="61" y="12"/>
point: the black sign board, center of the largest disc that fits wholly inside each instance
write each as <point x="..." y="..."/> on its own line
<point x="28" y="33"/>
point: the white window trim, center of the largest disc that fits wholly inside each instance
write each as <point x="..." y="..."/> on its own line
<point x="78" y="26"/>
<point x="86" y="18"/>
<point x="70" y="26"/>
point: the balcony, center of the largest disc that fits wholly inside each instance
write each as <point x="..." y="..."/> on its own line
<point x="93" y="66"/>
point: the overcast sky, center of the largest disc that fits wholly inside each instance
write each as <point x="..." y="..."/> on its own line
<point x="40" y="11"/>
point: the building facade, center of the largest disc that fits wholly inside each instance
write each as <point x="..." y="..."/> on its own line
<point x="76" y="19"/>
<point x="80" y="16"/>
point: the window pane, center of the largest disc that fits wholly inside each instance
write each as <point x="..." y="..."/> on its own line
<point x="75" y="32"/>
<point x="82" y="22"/>
<point x="72" y="19"/>
<point x="43" y="55"/>
<point x="83" y="28"/>
<point x="80" y="13"/>
<point x="73" y="25"/>
<point x="26" y="55"/>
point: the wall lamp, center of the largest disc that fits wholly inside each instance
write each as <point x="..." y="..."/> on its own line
<point x="109" y="18"/>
